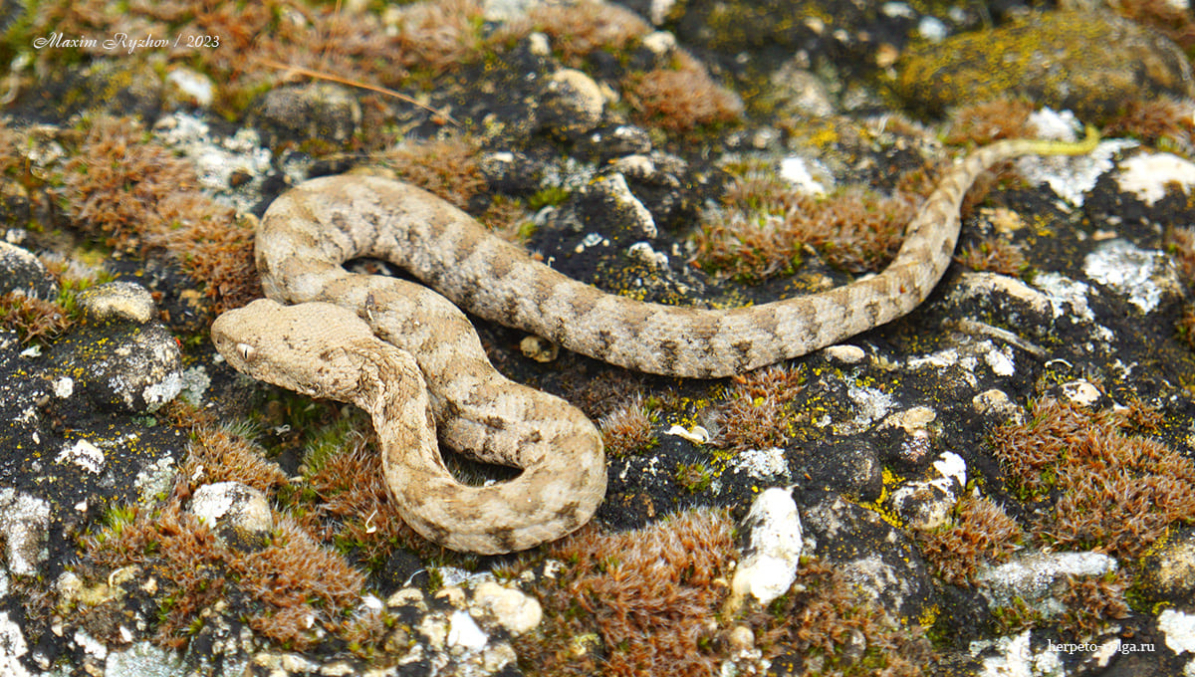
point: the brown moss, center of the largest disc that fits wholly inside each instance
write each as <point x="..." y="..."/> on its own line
<point x="758" y="411"/>
<point x="578" y="29"/>
<point x="33" y="319"/>
<point x="824" y="620"/>
<point x="225" y="453"/>
<point x="1093" y="601"/>
<point x="1185" y="327"/>
<point x="297" y="582"/>
<point x="1161" y="123"/>
<point x="766" y="225"/>
<point x="994" y="254"/>
<point x="651" y="596"/>
<point x="628" y="429"/>
<point x="429" y="38"/>
<point x="984" y="123"/>
<point x="445" y="167"/>
<point x="283" y="590"/>
<point x="683" y="98"/>
<point x="1107" y="490"/>
<point x="142" y="198"/>
<point x="980" y="533"/>
<point x="346" y="501"/>
<point x="1171" y="20"/>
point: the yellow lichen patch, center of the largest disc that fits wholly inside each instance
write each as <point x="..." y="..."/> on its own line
<point x="1059" y="59"/>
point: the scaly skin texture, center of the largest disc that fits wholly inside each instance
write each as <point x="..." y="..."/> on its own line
<point x="396" y="335"/>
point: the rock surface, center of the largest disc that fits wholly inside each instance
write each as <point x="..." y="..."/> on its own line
<point x="711" y="153"/>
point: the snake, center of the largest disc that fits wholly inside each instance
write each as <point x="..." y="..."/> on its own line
<point x="406" y="354"/>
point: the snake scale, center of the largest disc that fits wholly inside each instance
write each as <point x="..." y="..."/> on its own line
<point x="409" y="357"/>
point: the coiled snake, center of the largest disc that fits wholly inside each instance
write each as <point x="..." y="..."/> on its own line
<point x="410" y="358"/>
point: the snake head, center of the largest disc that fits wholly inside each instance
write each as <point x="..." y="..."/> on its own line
<point x="311" y="348"/>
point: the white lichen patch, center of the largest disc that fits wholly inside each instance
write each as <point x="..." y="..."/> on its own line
<point x="463" y="631"/>
<point x="805" y="175"/>
<point x="1066" y="296"/>
<point x="871" y="405"/>
<point x="1147" y="175"/>
<point x="1015" y="658"/>
<point x="12" y="648"/>
<point x="1000" y="360"/>
<point x="83" y="454"/>
<point x="217" y="160"/>
<point x="1179" y="629"/>
<point x="195" y="382"/>
<point x="1031" y="577"/>
<point x="1072" y="176"/>
<point x="64" y="387"/>
<point x="1139" y="275"/>
<point x="25" y="522"/>
<point x="769" y="565"/>
<point x="158" y="394"/>
<point x="762" y="464"/>
<point x="155" y="479"/>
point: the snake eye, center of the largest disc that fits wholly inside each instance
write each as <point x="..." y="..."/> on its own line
<point x="247" y="351"/>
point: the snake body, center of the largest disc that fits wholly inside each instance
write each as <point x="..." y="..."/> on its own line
<point x="408" y="355"/>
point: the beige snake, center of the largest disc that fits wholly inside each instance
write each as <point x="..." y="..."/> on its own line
<point x="384" y="338"/>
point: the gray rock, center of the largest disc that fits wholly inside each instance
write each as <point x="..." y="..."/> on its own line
<point x="123" y="360"/>
<point x="118" y="301"/>
<point x="317" y="110"/>
<point x="237" y="513"/>
<point x="769" y="563"/>
<point x="22" y="272"/>
<point x="571" y="103"/>
<point x="880" y="560"/>
<point x="25" y="522"/>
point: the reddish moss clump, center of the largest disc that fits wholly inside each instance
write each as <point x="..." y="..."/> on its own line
<point x="766" y="225"/>
<point x="282" y="589"/>
<point x="681" y="99"/>
<point x="824" y="621"/>
<point x="627" y="429"/>
<point x="578" y="29"/>
<point x="1091" y="601"/>
<point x="142" y="198"/>
<point x="1161" y="123"/>
<point x="984" y="123"/>
<point x="223" y="453"/>
<point x="651" y="596"/>
<point x="1107" y="490"/>
<point x="445" y="167"/>
<point x="348" y="503"/>
<point x="424" y="39"/>
<point x="33" y="319"/>
<point x="980" y="533"/>
<point x="996" y="255"/>
<point x="758" y="411"/>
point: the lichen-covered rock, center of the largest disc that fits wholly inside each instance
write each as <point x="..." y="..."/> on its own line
<point x="124" y="360"/>
<point x="25" y="522"/>
<point x="769" y="563"/>
<point x="571" y="103"/>
<point x="878" y="558"/>
<point x="319" y="110"/>
<point x="1089" y="62"/>
<point x="236" y="512"/>
<point x="1033" y="577"/>
<point x="1169" y="573"/>
<point x="21" y="272"/>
